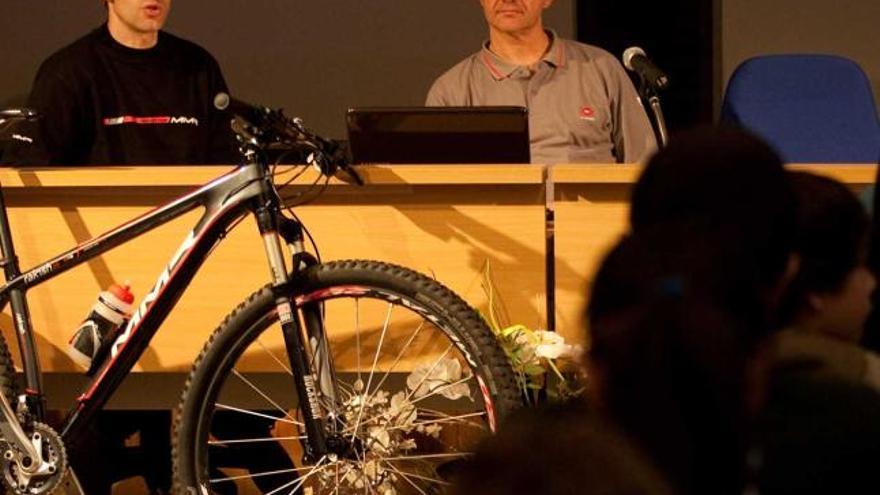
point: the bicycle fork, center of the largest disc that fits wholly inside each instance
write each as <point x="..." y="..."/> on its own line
<point x="307" y="389"/>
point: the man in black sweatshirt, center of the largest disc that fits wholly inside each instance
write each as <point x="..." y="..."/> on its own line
<point x="127" y="93"/>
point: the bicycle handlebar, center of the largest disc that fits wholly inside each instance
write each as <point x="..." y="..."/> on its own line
<point x="261" y="126"/>
<point x="18" y="114"/>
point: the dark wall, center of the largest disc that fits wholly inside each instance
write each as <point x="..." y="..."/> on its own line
<point x="315" y="59"/>
<point x="678" y="36"/>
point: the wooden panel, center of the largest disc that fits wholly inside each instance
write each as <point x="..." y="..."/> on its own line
<point x="445" y="221"/>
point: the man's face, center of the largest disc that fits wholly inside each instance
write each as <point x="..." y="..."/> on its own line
<point x="139" y="16"/>
<point x="512" y="16"/>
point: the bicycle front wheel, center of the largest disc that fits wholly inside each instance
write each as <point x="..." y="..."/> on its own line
<point x="416" y="380"/>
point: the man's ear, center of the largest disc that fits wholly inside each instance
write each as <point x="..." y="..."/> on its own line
<point x="548" y="3"/>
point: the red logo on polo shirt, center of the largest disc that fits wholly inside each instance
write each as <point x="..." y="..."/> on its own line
<point x="587" y="113"/>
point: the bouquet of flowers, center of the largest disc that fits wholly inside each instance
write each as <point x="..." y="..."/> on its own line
<point x="543" y="362"/>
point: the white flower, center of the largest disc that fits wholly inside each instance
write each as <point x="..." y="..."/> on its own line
<point x="433" y="430"/>
<point x="380" y="440"/>
<point x="551" y="345"/>
<point x="401" y="410"/>
<point x="442" y="375"/>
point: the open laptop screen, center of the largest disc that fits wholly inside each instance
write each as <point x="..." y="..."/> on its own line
<point x="439" y="135"/>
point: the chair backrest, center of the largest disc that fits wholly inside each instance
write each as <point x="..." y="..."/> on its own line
<point x="811" y="108"/>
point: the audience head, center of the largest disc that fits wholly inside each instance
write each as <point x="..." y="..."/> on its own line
<point x="831" y="291"/>
<point x="729" y="185"/>
<point x="558" y="452"/>
<point x="674" y="369"/>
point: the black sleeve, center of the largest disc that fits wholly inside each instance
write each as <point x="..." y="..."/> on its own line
<point x="222" y="145"/>
<point x="59" y="133"/>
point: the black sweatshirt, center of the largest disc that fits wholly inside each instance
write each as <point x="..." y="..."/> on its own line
<point x="104" y="103"/>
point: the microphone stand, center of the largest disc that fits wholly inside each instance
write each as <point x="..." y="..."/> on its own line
<point x="649" y="92"/>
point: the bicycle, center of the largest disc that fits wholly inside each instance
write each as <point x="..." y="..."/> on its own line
<point x="387" y="379"/>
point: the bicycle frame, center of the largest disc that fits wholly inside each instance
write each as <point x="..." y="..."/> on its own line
<point x="227" y="199"/>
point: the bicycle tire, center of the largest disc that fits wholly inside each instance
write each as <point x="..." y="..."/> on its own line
<point x="488" y="379"/>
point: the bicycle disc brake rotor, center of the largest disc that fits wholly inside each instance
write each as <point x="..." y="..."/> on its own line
<point x="394" y="430"/>
<point x="50" y="446"/>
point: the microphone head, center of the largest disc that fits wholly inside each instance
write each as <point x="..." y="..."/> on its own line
<point x="628" y="55"/>
<point x="221" y="101"/>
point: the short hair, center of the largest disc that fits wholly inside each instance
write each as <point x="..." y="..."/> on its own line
<point x="831" y="236"/>
<point x="664" y="335"/>
<point x="722" y="179"/>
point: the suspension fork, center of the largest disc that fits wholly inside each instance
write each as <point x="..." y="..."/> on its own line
<point x="313" y="318"/>
<point x="297" y="353"/>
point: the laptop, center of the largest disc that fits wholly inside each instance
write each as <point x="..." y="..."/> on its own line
<point x="438" y="135"/>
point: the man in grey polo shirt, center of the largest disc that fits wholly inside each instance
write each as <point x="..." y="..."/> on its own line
<point x="582" y="106"/>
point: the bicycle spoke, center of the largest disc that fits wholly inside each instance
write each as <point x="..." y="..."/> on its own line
<point x="429" y="373"/>
<point x="441" y="388"/>
<point x="406" y="478"/>
<point x="449" y="455"/>
<point x="451" y="419"/>
<point x="411" y="392"/>
<point x="254" y="440"/>
<point x="397" y="360"/>
<point x="274" y="357"/>
<point x="373" y="368"/>
<point x="261" y="393"/>
<point x="263" y="474"/>
<point x="299" y="483"/>
<point x="357" y="336"/>
<point x="259" y="415"/>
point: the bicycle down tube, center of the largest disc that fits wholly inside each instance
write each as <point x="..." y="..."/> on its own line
<point x="225" y="200"/>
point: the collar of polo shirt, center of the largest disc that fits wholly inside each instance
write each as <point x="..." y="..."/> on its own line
<point x="501" y="69"/>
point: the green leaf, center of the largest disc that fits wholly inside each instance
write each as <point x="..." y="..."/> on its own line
<point x="534" y="370"/>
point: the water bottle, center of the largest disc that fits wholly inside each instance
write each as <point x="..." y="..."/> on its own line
<point x="92" y="340"/>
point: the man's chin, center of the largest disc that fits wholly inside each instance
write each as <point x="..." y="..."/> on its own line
<point x="511" y="26"/>
<point x="151" y="25"/>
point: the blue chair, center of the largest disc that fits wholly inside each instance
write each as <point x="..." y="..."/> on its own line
<point x="811" y="108"/>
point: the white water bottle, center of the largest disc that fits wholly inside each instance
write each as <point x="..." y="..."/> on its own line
<point x="90" y="343"/>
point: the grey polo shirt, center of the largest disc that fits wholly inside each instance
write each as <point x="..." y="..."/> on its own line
<point x="582" y="106"/>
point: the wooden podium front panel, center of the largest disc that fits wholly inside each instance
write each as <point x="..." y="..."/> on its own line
<point x="445" y="221"/>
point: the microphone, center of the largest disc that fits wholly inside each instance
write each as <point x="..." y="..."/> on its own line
<point x="635" y="60"/>
<point x="253" y="114"/>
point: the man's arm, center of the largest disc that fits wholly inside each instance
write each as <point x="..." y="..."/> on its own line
<point x="61" y="128"/>
<point x="632" y="133"/>
<point x="437" y="96"/>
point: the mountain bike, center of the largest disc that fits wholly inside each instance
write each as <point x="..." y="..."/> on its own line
<point x="348" y="376"/>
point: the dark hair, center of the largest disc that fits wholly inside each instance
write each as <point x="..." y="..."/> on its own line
<point x="558" y="451"/>
<point x="831" y="235"/>
<point x="722" y="179"/>
<point x="672" y="359"/>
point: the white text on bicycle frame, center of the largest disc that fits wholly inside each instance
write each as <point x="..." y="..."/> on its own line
<point x="184" y="248"/>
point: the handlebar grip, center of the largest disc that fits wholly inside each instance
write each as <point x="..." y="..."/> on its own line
<point x="19" y="114"/>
